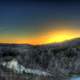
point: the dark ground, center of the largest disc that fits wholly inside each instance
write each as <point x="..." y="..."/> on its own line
<point x="61" y="60"/>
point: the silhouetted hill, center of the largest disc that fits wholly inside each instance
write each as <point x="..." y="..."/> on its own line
<point x="72" y="42"/>
<point x="61" y="60"/>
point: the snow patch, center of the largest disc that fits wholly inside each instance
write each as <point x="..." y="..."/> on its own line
<point x="14" y="65"/>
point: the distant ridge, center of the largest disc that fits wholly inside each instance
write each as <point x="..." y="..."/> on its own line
<point x="14" y="44"/>
<point x="72" y="42"/>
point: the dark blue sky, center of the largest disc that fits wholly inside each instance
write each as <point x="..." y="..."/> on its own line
<point x="30" y="18"/>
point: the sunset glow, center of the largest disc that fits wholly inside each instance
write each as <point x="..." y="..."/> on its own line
<point x="52" y="36"/>
<point x="56" y="36"/>
<point x="38" y="23"/>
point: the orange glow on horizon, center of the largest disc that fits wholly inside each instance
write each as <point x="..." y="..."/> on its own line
<point x="53" y="36"/>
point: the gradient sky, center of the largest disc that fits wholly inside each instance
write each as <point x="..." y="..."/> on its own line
<point x="39" y="22"/>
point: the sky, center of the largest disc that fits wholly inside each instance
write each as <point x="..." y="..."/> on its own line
<point x="39" y="21"/>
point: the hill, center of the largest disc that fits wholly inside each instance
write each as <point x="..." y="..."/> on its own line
<point x="59" y="60"/>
